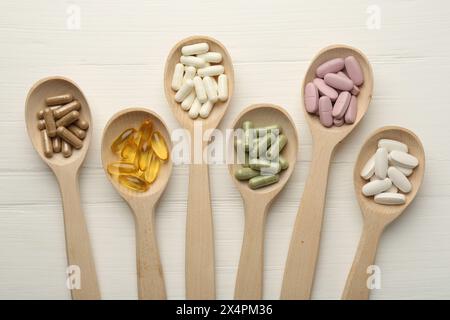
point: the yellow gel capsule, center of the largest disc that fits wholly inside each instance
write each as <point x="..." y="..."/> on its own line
<point x="144" y="153"/>
<point x="144" y="132"/>
<point x="120" y="141"/>
<point x="129" y="151"/>
<point x="121" y="167"/>
<point x="133" y="182"/>
<point x="152" y="168"/>
<point x="159" y="145"/>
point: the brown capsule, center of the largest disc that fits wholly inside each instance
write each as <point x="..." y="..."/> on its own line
<point x="77" y="131"/>
<point x="65" y="109"/>
<point x="41" y="124"/>
<point x="61" y="99"/>
<point x="68" y="119"/>
<point x="69" y="137"/>
<point x="46" y="144"/>
<point x="82" y="124"/>
<point x="50" y="124"/>
<point x="40" y="114"/>
<point x="56" y="142"/>
<point x="66" y="149"/>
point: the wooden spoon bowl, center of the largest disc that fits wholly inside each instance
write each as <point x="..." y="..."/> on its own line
<point x="200" y="275"/>
<point x="149" y="270"/>
<point x="66" y="171"/>
<point x="220" y="107"/>
<point x="133" y="118"/>
<point x="369" y="148"/>
<point x="305" y="242"/>
<point x="364" y="97"/>
<point x="257" y="202"/>
<point x="53" y="86"/>
<point x="377" y="216"/>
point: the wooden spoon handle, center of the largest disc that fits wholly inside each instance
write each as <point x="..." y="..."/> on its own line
<point x="249" y="280"/>
<point x="304" y="246"/>
<point x="149" y="269"/>
<point x="200" y="278"/>
<point x="357" y="286"/>
<point x="79" y="255"/>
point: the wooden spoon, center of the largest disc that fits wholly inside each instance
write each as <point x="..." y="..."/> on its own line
<point x="377" y="216"/>
<point x="304" y="247"/>
<point x="67" y="171"/>
<point x="200" y="278"/>
<point x="149" y="269"/>
<point x="249" y="281"/>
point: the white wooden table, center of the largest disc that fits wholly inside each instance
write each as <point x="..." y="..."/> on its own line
<point x="115" y="50"/>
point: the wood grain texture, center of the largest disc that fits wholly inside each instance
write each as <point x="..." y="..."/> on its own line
<point x="118" y="61"/>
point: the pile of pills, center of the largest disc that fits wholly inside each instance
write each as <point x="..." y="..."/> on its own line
<point x="61" y="126"/>
<point x="261" y="148"/>
<point x="199" y="80"/>
<point x="332" y="95"/>
<point x="388" y="171"/>
<point x="141" y="154"/>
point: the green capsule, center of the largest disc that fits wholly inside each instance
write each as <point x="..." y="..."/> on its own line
<point x="276" y="147"/>
<point x="245" y="173"/>
<point x="242" y="156"/>
<point x="246" y="126"/>
<point x="262" y="181"/>
<point x="274" y="128"/>
<point x="284" y="164"/>
<point x="264" y="143"/>
<point x="274" y="168"/>
<point x="257" y="164"/>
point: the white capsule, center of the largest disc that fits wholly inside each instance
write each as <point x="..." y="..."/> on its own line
<point x="206" y="109"/>
<point x="214" y="57"/>
<point x="192" y="61"/>
<point x="390" y="198"/>
<point x="374" y="177"/>
<point x="200" y="89"/>
<point x="403" y="159"/>
<point x="177" y="78"/>
<point x="223" y="87"/>
<point x="184" y="91"/>
<point x="211" y="71"/>
<point x="391" y="145"/>
<point x="376" y="187"/>
<point x="187" y="102"/>
<point x="211" y="92"/>
<point x="406" y="171"/>
<point x="197" y="48"/>
<point x="189" y="73"/>
<point x="369" y="169"/>
<point x="195" y="109"/>
<point x="399" y="179"/>
<point x="381" y="163"/>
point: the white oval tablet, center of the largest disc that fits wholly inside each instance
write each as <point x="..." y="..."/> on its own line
<point x="376" y="187"/>
<point x="399" y="179"/>
<point x="390" y="198"/>
<point x="381" y="163"/>
<point x="391" y="145"/>
<point x="406" y="171"/>
<point x="369" y="169"/>
<point x="403" y="159"/>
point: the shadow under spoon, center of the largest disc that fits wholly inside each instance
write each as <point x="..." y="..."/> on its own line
<point x="304" y="246"/>
<point x="67" y="170"/>
<point x="149" y="269"/>
<point x="377" y="216"/>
